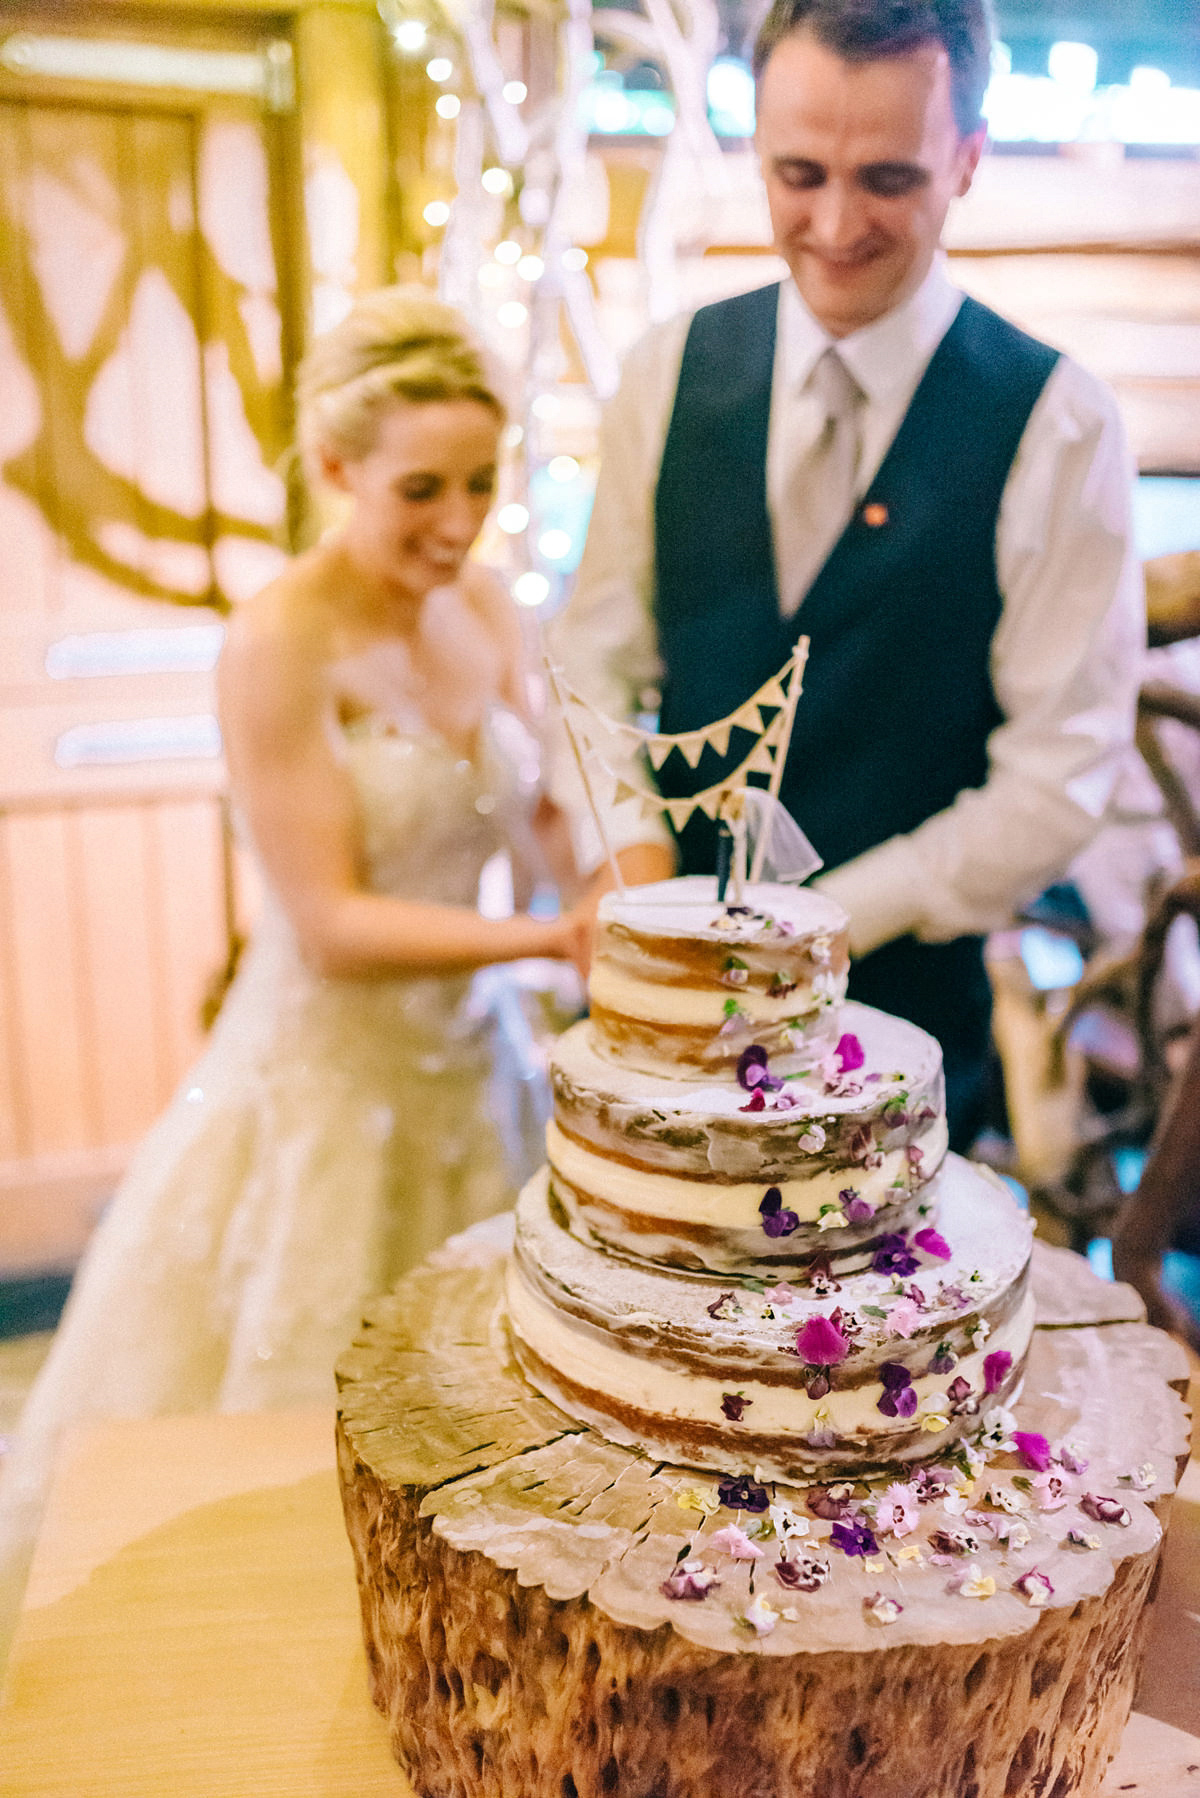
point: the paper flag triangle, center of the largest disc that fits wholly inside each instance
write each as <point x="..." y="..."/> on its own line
<point x="710" y="801"/>
<point x="748" y="717"/>
<point x="772" y="693"/>
<point x="680" y="811"/>
<point x="718" y="736"/>
<point x="760" y="760"/>
<point x="692" y="747"/>
<point x="624" y="791"/>
<point x="658" y="749"/>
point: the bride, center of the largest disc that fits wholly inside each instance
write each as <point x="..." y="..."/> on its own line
<point x="338" y="1125"/>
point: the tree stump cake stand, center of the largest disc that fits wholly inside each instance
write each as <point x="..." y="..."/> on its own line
<point x="511" y="1565"/>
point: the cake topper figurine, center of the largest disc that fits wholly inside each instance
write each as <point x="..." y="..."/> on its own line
<point x="757" y="837"/>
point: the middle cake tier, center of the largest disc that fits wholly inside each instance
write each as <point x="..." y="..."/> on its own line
<point x="753" y="1179"/>
<point x="894" y="1363"/>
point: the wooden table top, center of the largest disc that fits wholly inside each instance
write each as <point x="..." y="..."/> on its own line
<point x="191" y="1628"/>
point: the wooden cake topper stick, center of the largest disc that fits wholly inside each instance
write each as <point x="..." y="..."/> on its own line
<point x="799" y="658"/>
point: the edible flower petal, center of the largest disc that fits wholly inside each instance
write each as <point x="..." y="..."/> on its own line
<point x="694" y="1498"/>
<point x="977" y="1585"/>
<point x="1033" y="1449"/>
<point x="857" y="1209"/>
<point x="691" y="1579"/>
<point x="1035" y="1587"/>
<point x="1050" y="1491"/>
<point x="849" y="1052"/>
<point x="882" y="1608"/>
<point x="896" y="1511"/>
<point x="930" y="1242"/>
<point x="805" y="1574"/>
<point x="733" y="1541"/>
<point x="733" y="1406"/>
<point x="1104" y="1510"/>
<point x="893" y="1256"/>
<point x="854" y="1536"/>
<point x="761" y="1615"/>
<point x="903" y="1318"/>
<point x="899" y="1397"/>
<point x="821" y="1343"/>
<point x="996" y="1368"/>
<point x="742" y="1494"/>
<point x="753" y="1072"/>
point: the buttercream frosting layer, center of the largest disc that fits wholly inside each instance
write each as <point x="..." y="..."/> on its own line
<point x="680" y="981"/>
<point x="711" y="1373"/>
<point x="677" y="1171"/>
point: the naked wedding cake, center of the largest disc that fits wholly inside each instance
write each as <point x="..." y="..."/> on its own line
<point x="750" y="1251"/>
<point x="738" y="1465"/>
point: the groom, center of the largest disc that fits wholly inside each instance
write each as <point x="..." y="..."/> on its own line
<point x="938" y="501"/>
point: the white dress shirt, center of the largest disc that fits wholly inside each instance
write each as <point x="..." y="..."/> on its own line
<point x="1064" y="657"/>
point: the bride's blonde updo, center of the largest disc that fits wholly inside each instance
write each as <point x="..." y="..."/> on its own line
<point x="398" y="343"/>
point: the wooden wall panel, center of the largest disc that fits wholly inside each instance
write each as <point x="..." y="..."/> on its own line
<point x="62" y="1112"/>
<point x="124" y="1041"/>
<point x="14" y="1099"/>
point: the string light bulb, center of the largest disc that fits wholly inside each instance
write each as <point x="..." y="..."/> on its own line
<point x="439" y="68"/>
<point x="437" y="214"/>
<point x="531" y="589"/>
<point x="512" y="314"/>
<point x="507" y="251"/>
<point x="448" y="106"/>
<point x="574" y="259"/>
<point x="496" y="181"/>
<point x="530" y="267"/>
<point x="514" y="92"/>
<point x="513" y="519"/>
<point x="410" y="35"/>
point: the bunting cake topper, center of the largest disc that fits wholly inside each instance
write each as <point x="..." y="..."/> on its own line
<point x="596" y="739"/>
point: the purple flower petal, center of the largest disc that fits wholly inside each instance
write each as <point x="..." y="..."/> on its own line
<point x="780" y="1223"/>
<point x="771" y="1202"/>
<point x="996" y="1368"/>
<point x="820" y="1343"/>
<point x="931" y="1243"/>
<point x="893" y="1256"/>
<point x="752" y="1070"/>
<point x="734" y="1406"/>
<point x="829" y="1502"/>
<point x="1103" y="1510"/>
<point x="1034" y="1450"/>
<point x="854" y="1537"/>
<point x="743" y="1494"/>
<point x="690" y="1580"/>
<point x="805" y="1574"/>
<point x="849" y="1052"/>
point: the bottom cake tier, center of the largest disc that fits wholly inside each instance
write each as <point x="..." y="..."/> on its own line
<point x="549" y="1614"/>
<point x="890" y="1364"/>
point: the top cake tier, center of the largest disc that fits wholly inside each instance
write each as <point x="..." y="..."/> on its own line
<point x="681" y="983"/>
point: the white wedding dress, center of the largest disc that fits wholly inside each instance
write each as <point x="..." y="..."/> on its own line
<point x="334" y="1132"/>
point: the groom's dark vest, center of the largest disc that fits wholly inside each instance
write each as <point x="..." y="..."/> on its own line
<point x="898" y="702"/>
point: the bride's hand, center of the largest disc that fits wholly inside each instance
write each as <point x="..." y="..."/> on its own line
<point x="573" y="937"/>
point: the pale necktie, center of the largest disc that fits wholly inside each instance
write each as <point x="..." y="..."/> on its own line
<point x="821" y="488"/>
